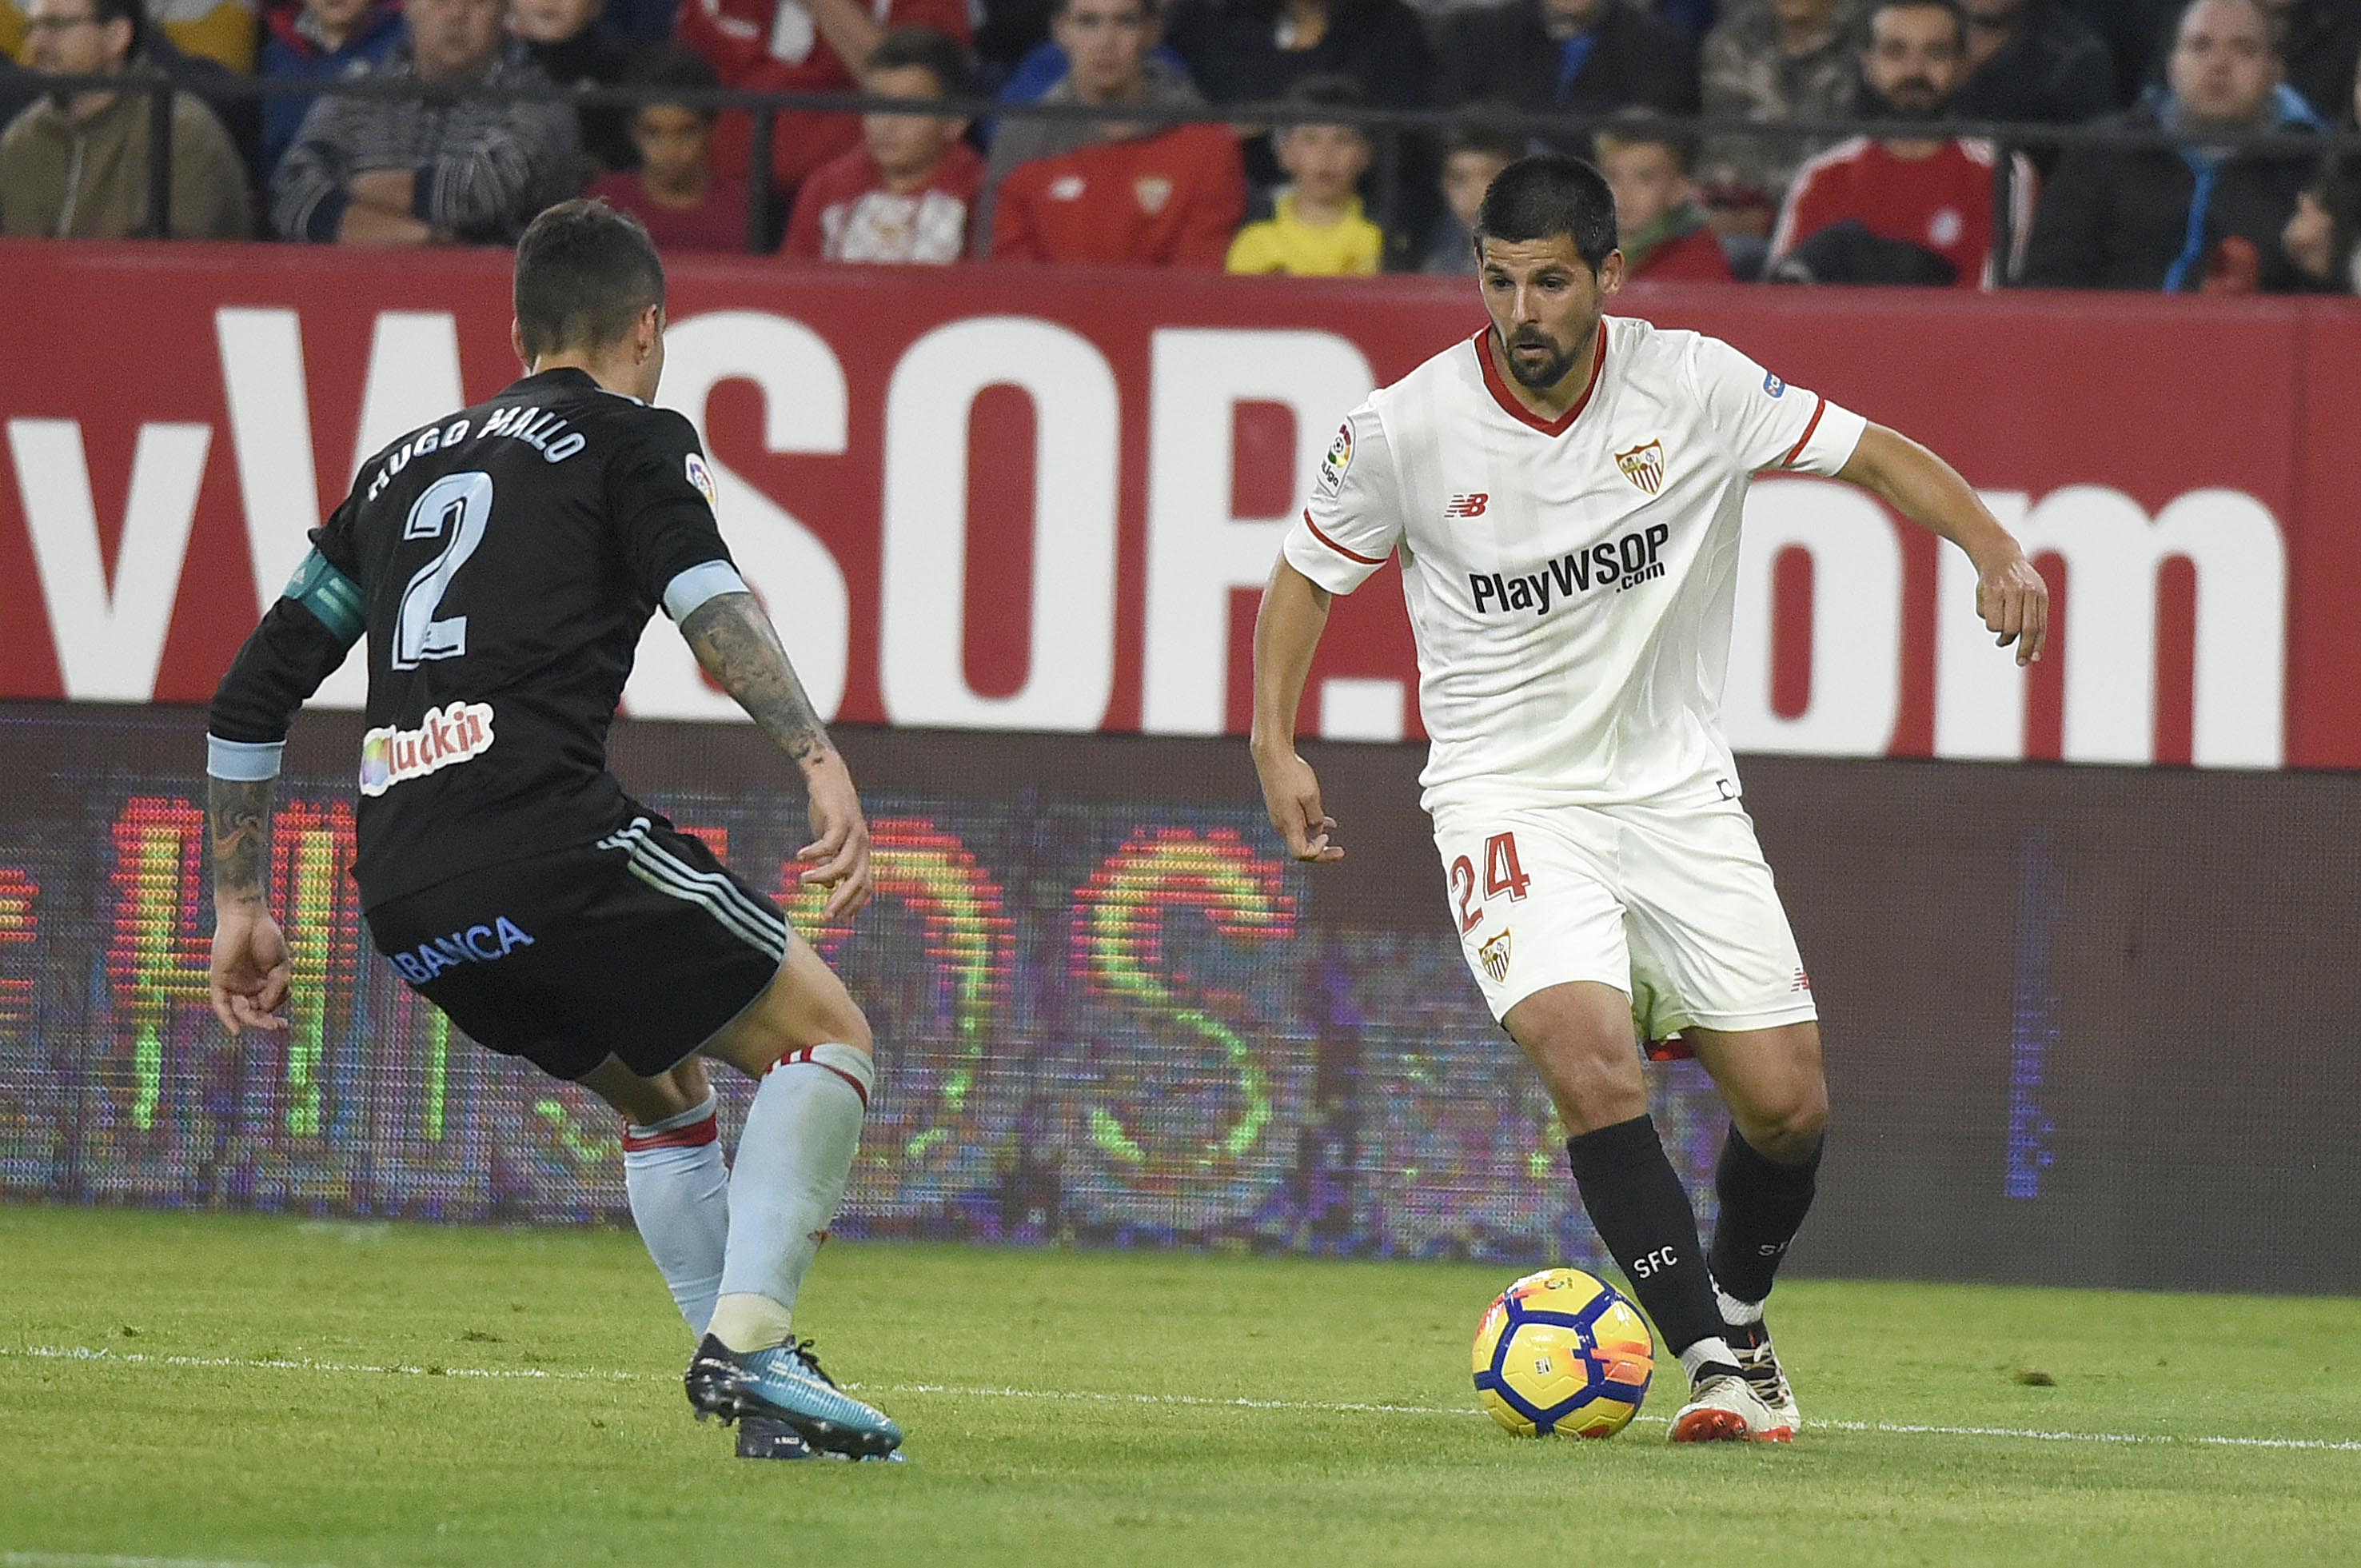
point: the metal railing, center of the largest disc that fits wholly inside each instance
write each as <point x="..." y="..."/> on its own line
<point x="1388" y="128"/>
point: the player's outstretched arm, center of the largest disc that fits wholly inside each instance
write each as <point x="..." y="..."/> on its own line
<point x="739" y="648"/>
<point x="251" y="965"/>
<point x="301" y="641"/>
<point x="1287" y="633"/>
<point x="2010" y="595"/>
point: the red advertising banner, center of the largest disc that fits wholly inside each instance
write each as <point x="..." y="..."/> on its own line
<point x="1014" y="500"/>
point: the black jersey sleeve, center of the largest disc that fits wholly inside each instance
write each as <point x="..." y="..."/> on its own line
<point x="660" y="494"/>
<point x="302" y="640"/>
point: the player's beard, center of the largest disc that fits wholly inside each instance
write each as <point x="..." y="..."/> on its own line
<point x="1540" y="375"/>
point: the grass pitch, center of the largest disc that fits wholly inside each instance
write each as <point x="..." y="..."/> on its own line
<point x="281" y="1392"/>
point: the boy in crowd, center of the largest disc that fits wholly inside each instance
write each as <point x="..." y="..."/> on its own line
<point x="1666" y="237"/>
<point x="1317" y="229"/>
<point x="318" y="39"/>
<point x="674" y="192"/>
<point x="908" y="192"/>
<point x="1471" y="161"/>
<point x="565" y="39"/>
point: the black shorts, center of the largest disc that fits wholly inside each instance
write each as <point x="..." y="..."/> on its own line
<point x="641" y="946"/>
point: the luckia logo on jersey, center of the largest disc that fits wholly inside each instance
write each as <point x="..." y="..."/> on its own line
<point x="1644" y="464"/>
<point x="445" y="736"/>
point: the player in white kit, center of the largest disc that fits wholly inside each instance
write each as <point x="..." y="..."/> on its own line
<point x="1565" y="493"/>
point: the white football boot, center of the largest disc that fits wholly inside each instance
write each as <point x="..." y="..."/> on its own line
<point x="1724" y="1407"/>
<point x="1760" y="1362"/>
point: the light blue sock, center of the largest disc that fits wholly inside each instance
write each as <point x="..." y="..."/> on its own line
<point x="793" y="1159"/>
<point x="678" y="1187"/>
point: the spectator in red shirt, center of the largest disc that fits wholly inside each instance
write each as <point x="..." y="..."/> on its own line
<point x="1902" y="209"/>
<point x="674" y="192"/>
<point x="1665" y="235"/>
<point x="1172" y="198"/>
<point x="907" y="193"/>
<point x="799" y="46"/>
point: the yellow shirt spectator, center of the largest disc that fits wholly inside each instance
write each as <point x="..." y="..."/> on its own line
<point x="1349" y="245"/>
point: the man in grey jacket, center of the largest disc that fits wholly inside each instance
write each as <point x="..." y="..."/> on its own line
<point x="75" y="164"/>
<point x="1107" y="44"/>
<point x="411" y="171"/>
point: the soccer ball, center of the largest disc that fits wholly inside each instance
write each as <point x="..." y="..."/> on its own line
<point x="1560" y="1353"/>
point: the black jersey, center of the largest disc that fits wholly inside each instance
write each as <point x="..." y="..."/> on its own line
<point x="509" y="558"/>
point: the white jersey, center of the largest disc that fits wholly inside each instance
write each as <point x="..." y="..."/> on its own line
<point x="1571" y="584"/>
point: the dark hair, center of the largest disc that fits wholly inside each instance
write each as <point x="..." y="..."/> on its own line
<point x="2180" y="19"/>
<point x="132" y="11"/>
<point x="584" y="273"/>
<point x="1328" y="89"/>
<point x="1950" y="8"/>
<point x="1323" y="90"/>
<point x="1501" y="144"/>
<point x="1645" y="127"/>
<point x="1545" y="194"/>
<point x="936" y="53"/>
<point x="676" y="66"/>
<point x="1060" y="7"/>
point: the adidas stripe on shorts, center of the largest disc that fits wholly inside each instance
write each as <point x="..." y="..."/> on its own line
<point x="640" y="946"/>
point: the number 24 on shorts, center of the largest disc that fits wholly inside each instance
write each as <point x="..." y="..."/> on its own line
<point x="1502" y="873"/>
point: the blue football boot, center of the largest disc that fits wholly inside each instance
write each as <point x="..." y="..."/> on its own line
<point x="786" y="1385"/>
<point x="761" y="1437"/>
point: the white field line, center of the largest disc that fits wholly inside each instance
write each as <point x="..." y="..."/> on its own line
<point x="110" y="1559"/>
<point x="1197" y="1401"/>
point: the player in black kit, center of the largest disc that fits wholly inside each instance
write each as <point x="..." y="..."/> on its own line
<point x="502" y="563"/>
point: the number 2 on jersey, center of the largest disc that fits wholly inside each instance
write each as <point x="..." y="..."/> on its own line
<point x="1502" y="873"/>
<point x="454" y="508"/>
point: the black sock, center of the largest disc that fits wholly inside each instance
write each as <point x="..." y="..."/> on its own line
<point x="1763" y="1206"/>
<point x="1642" y="1213"/>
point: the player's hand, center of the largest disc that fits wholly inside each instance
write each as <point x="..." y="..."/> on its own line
<point x="2012" y="600"/>
<point x="838" y="856"/>
<point x="250" y="969"/>
<point x="1290" y="793"/>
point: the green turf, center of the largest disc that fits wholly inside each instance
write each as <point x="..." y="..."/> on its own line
<point x="305" y="1464"/>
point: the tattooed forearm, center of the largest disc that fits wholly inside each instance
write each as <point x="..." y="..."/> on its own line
<point x="240" y="814"/>
<point x="738" y="646"/>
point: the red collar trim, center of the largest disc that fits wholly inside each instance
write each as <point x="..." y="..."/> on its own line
<point x="1507" y="400"/>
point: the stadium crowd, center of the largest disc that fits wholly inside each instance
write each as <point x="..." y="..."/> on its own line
<point x="2197" y="212"/>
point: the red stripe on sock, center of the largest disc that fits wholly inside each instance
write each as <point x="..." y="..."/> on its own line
<point x="804" y="1054"/>
<point x="695" y="1135"/>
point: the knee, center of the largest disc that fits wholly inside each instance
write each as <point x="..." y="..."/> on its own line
<point x="825" y="1020"/>
<point x="1594" y="1095"/>
<point x="1788" y="1133"/>
<point x="844" y="1024"/>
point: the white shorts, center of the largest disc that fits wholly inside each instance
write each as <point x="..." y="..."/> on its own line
<point x="1674" y="906"/>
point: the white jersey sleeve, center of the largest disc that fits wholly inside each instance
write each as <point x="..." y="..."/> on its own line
<point x="1353" y="520"/>
<point x="1764" y="421"/>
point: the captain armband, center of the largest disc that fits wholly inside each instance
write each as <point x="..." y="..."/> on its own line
<point x="241" y="762"/>
<point x="692" y="587"/>
<point x="333" y="599"/>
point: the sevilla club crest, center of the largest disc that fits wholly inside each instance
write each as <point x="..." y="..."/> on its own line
<point x="1644" y="465"/>
<point x="1495" y="957"/>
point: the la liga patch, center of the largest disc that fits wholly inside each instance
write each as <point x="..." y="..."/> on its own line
<point x="1339" y="458"/>
<point x="702" y="477"/>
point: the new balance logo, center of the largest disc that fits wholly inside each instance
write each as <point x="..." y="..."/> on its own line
<point x="1803" y="980"/>
<point x="1469" y="505"/>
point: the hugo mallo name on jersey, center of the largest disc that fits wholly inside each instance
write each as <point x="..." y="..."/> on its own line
<point x="1571" y="582"/>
